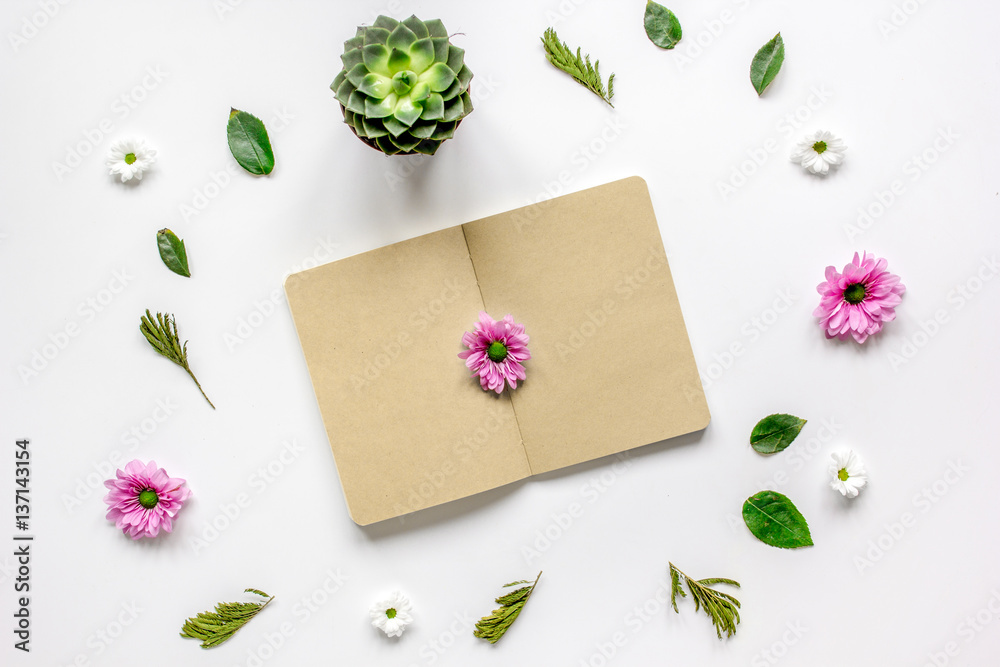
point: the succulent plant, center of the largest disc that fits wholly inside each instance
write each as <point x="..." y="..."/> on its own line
<point x="404" y="87"/>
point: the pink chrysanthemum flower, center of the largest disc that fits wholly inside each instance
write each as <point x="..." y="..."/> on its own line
<point x="496" y="350"/>
<point x="144" y="499"/>
<point x="860" y="300"/>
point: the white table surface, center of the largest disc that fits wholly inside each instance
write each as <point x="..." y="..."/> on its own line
<point x="897" y="80"/>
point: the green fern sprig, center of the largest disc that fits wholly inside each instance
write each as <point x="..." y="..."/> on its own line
<point x="721" y="607"/>
<point x="161" y="333"/>
<point x="217" y="627"/>
<point x="493" y="627"/>
<point x="559" y="54"/>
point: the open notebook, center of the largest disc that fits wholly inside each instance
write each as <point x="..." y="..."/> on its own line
<point x="611" y="365"/>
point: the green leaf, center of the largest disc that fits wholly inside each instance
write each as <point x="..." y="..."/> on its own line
<point x="357" y="102"/>
<point x="380" y="108"/>
<point x="417" y="26"/>
<point x="441" y="48"/>
<point x="376" y="85"/>
<point x="721" y="607"/>
<point x="439" y="76"/>
<point x="399" y="61"/>
<point x="376" y="58"/>
<point x="374" y="34"/>
<point x="421" y="55"/>
<point x="357" y="74"/>
<point x="774" y="520"/>
<point x="423" y="130"/>
<point x="217" y="627"/>
<point x="172" y="252"/>
<point x="433" y="108"/>
<point x="774" y="433"/>
<point x="161" y="334"/>
<point x="435" y="28"/>
<point x="407" y="112"/>
<point x="401" y="38"/>
<point x="577" y="66"/>
<point x="394" y="127"/>
<point x="493" y="627"/>
<point x="456" y="58"/>
<point x="662" y="27"/>
<point x="766" y="64"/>
<point x="249" y="143"/>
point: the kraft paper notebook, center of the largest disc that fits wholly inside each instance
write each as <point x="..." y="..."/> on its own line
<point x="611" y="367"/>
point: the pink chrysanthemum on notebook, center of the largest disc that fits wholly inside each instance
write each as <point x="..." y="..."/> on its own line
<point x="496" y="350"/>
<point x="860" y="300"/>
<point x="144" y="499"/>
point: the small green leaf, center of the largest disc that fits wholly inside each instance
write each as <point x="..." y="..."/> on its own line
<point x="433" y="108"/>
<point x="161" y="334"/>
<point x="439" y="76"/>
<point x="774" y="520"/>
<point x="407" y="112"/>
<point x="493" y="627"/>
<point x="401" y="38"/>
<point x="774" y="433"/>
<point x="420" y="92"/>
<point x="436" y="28"/>
<point x="421" y="55"/>
<point x="380" y="108"/>
<point x="662" y="27"/>
<point x="376" y="85"/>
<point x="172" y="252"/>
<point x="376" y="58"/>
<point x="722" y="608"/>
<point x="766" y="64"/>
<point x="577" y="66"/>
<point x="399" y="61"/>
<point x="249" y="143"/>
<point x="217" y="627"/>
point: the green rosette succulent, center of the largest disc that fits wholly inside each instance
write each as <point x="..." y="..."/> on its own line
<point x="404" y="87"/>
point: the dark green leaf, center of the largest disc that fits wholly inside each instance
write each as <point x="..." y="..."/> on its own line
<point x="773" y="434"/>
<point x="774" y="520"/>
<point x="172" y="252"/>
<point x="662" y="27"/>
<point x="249" y="142"/>
<point x="766" y="64"/>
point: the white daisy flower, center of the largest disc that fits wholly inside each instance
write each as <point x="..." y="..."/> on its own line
<point x="128" y="158"/>
<point x="819" y="152"/>
<point x="848" y="473"/>
<point x="392" y="615"/>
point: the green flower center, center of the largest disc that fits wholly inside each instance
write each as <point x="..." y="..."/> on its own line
<point x="842" y="474"/>
<point x="497" y="351"/>
<point x="819" y="146"/>
<point x="403" y="82"/>
<point x="129" y="158"/>
<point x="390" y="613"/>
<point x="855" y="293"/>
<point x="148" y="498"/>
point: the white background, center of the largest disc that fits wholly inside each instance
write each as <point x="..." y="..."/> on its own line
<point x="871" y="592"/>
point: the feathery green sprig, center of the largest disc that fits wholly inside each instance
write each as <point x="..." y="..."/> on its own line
<point x="217" y="627"/>
<point x="161" y="333"/>
<point x="492" y="627"/>
<point x="577" y="66"/>
<point x="721" y="607"/>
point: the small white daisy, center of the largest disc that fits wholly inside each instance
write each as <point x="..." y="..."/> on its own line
<point x="819" y="152"/>
<point x="128" y="158"/>
<point x="848" y="473"/>
<point x="392" y="615"/>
